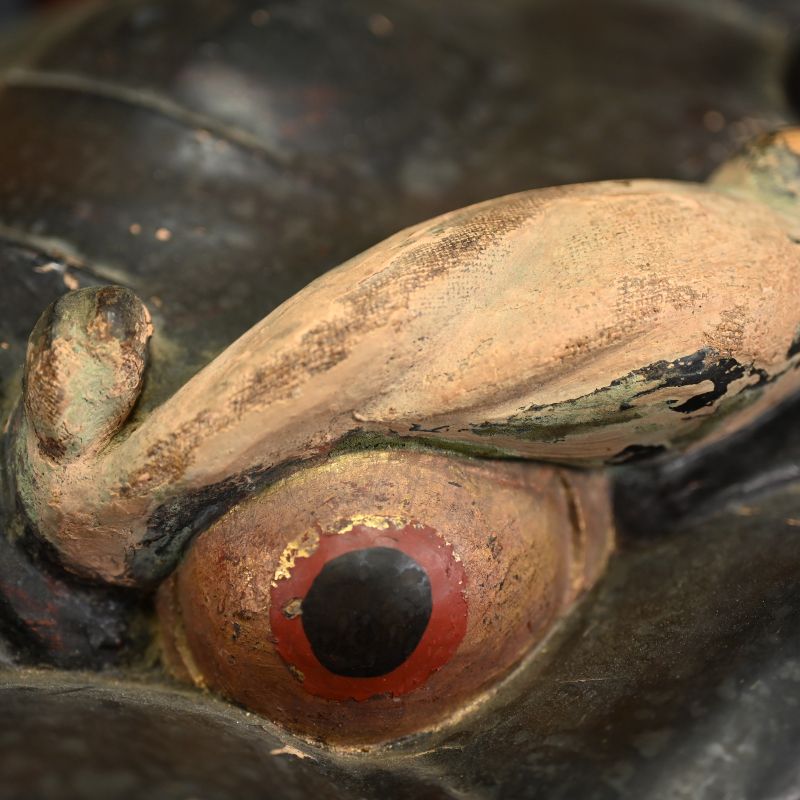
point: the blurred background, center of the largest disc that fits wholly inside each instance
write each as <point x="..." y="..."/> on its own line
<point x="11" y="9"/>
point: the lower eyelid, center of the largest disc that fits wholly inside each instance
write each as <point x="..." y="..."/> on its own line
<point x="529" y="539"/>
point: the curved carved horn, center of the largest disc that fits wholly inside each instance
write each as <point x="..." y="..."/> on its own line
<point x="575" y="324"/>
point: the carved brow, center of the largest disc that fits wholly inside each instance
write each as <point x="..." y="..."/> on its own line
<point x="509" y="328"/>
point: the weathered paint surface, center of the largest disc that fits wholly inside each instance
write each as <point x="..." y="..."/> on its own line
<point x="530" y="539"/>
<point x="84" y="370"/>
<point x="577" y="324"/>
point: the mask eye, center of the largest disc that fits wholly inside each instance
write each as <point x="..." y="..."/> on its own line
<point x="378" y="593"/>
<point x="373" y="610"/>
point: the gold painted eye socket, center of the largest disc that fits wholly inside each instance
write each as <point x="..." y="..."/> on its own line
<point x="377" y="594"/>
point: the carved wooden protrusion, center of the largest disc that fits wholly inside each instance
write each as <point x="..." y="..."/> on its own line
<point x="582" y="324"/>
<point x="84" y="369"/>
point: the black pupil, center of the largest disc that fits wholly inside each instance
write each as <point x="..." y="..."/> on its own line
<point x="366" y="611"/>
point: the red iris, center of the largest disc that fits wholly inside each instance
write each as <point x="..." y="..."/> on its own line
<point x="429" y="562"/>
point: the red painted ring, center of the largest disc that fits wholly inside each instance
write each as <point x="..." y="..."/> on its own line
<point x="446" y="626"/>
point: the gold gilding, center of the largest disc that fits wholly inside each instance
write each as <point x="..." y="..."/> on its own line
<point x="299" y="548"/>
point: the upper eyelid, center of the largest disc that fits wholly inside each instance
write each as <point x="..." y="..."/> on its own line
<point x="670" y="488"/>
<point x="199" y="510"/>
<point x="659" y="486"/>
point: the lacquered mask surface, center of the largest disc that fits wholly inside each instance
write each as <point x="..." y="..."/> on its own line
<point x="273" y="143"/>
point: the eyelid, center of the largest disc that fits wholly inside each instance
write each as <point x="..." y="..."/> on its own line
<point x="531" y="539"/>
